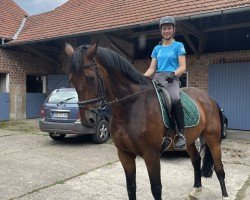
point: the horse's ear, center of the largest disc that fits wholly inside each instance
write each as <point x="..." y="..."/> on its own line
<point x="69" y="50"/>
<point x="92" y="50"/>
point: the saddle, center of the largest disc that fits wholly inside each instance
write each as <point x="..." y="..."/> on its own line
<point x="190" y="109"/>
<point x="165" y="97"/>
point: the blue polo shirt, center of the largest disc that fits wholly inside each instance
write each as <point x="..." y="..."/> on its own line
<point x="167" y="56"/>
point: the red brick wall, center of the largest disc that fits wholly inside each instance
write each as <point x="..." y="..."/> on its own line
<point x="197" y="68"/>
<point x="19" y="64"/>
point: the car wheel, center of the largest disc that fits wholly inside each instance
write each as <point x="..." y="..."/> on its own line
<point x="224" y="131"/>
<point x="57" y="136"/>
<point x="102" y="132"/>
<point x="200" y="145"/>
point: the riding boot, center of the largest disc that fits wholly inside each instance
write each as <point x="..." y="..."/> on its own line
<point x="180" y="141"/>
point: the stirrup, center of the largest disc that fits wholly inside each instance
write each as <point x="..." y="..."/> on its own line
<point x="184" y="139"/>
<point x="166" y="144"/>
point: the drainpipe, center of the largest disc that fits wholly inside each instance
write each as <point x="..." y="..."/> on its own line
<point x="2" y="40"/>
<point x="17" y="33"/>
<point x="20" y="28"/>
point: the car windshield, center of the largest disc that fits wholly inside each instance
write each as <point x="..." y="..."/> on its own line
<point x="63" y="96"/>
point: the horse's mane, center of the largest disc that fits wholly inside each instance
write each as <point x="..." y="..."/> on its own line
<point x="109" y="59"/>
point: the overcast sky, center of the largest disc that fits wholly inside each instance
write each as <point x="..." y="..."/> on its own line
<point x="33" y="7"/>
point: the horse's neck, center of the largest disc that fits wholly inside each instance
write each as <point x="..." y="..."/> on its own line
<point x="126" y="95"/>
<point x="121" y="87"/>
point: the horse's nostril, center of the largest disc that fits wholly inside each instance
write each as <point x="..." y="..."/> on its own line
<point x="92" y="121"/>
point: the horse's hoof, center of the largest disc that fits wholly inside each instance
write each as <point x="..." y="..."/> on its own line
<point x="187" y="197"/>
<point x="226" y="198"/>
<point x="194" y="194"/>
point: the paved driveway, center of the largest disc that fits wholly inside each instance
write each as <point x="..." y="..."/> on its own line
<point x="32" y="166"/>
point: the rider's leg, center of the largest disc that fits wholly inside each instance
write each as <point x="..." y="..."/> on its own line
<point x="160" y="78"/>
<point x="177" y="110"/>
<point x="180" y="141"/>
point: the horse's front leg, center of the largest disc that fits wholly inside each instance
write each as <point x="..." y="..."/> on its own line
<point x="152" y="161"/>
<point x="128" y="163"/>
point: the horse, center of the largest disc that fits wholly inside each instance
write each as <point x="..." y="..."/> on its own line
<point x="102" y="77"/>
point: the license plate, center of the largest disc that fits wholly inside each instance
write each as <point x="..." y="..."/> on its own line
<point x="60" y="114"/>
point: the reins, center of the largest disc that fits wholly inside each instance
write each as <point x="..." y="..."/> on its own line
<point x="101" y="99"/>
<point x="128" y="97"/>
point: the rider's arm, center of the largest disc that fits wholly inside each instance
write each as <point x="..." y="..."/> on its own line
<point x="152" y="69"/>
<point x="182" y="66"/>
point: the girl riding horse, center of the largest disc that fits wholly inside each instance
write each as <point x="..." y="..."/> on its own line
<point x="102" y="77"/>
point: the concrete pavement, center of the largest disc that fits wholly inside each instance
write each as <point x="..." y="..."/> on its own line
<point x="32" y="166"/>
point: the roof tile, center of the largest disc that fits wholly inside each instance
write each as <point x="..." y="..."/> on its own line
<point x="81" y="16"/>
<point x="11" y="16"/>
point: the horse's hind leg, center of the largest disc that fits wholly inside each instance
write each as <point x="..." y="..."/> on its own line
<point x="218" y="167"/>
<point x="196" y="161"/>
<point x="128" y="163"/>
<point x="152" y="161"/>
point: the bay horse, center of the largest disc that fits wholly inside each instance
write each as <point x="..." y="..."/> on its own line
<point x="101" y="76"/>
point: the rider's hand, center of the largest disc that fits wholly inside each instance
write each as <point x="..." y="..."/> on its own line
<point x="170" y="78"/>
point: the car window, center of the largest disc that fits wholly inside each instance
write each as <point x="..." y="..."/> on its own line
<point x="63" y="96"/>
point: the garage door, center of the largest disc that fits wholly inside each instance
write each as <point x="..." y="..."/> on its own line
<point x="57" y="81"/>
<point x="4" y="106"/>
<point x="229" y="85"/>
<point x="34" y="102"/>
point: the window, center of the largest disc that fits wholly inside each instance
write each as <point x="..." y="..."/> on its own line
<point x="34" y="84"/>
<point x="63" y="95"/>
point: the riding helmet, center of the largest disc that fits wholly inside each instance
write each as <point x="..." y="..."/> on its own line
<point x="167" y="20"/>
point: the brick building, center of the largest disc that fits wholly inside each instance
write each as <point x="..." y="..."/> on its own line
<point x="216" y="36"/>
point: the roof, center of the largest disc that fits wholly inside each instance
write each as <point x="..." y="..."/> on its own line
<point x="11" y="16"/>
<point x="86" y="16"/>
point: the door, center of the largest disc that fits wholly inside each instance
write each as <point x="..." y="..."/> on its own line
<point x="229" y="85"/>
<point x="57" y="81"/>
<point x="4" y="97"/>
<point x="34" y="102"/>
<point x="34" y="96"/>
<point x="4" y="106"/>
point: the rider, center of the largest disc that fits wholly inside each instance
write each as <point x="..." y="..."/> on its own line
<point x="167" y="65"/>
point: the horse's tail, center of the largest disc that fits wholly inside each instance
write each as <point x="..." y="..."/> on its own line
<point x="208" y="162"/>
<point x="221" y="121"/>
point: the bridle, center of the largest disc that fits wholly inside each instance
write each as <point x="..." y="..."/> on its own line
<point x="101" y="95"/>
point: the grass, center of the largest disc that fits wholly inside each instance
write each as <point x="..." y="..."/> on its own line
<point x="27" y="126"/>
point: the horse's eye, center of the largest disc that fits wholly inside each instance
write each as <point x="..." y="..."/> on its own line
<point x="90" y="81"/>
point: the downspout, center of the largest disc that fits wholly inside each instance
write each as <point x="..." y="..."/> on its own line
<point x="20" y="28"/>
<point x="2" y="40"/>
<point x="17" y="33"/>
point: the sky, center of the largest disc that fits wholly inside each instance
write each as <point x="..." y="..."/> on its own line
<point x="33" y="7"/>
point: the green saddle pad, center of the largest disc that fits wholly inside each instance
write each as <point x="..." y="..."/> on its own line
<point x="190" y="109"/>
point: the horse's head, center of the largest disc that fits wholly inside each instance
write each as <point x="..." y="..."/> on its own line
<point x="88" y="80"/>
